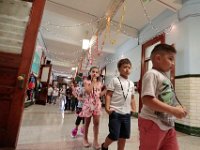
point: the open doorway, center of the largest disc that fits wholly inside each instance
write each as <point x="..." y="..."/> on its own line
<point x="146" y="63"/>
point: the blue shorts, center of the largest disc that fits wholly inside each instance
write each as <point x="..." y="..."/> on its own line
<point x="119" y="126"/>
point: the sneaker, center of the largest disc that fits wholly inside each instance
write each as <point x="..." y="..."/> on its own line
<point x="74" y="132"/>
<point x="82" y="131"/>
<point x="102" y="148"/>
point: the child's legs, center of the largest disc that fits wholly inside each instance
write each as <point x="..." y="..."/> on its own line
<point x="151" y="136"/>
<point x="53" y="99"/>
<point x="65" y="100"/>
<point x="73" y="104"/>
<point x="31" y="94"/>
<point x="96" y="119"/>
<point x="78" y="121"/>
<point x="87" y="123"/>
<point x="28" y="94"/>
<point x="170" y="141"/>
<point x="83" y="120"/>
<point x="68" y="103"/>
<point x="114" y="129"/>
<point x="76" y="103"/>
<point x="62" y="105"/>
<point x="124" y="130"/>
<point x="48" y="98"/>
<point x="121" y="144"/>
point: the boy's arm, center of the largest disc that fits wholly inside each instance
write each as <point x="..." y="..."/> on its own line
<point x="103" y="92"/>
<point x="157" y="105"/>
<point x="133" y="105"/>
<point x="108" y="99"/>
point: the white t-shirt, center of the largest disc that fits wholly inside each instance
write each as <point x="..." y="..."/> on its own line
<point x="156" y="84"/>
<point x="118" y="101"/>
<point x="50" y="90"/>
<point x="55" y="92"/>
<point x="63" y="91"/>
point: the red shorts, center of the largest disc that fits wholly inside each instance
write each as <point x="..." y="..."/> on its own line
<point x="153" y="138"/>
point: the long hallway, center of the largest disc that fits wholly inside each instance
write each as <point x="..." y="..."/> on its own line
<point x="44" y="128"/>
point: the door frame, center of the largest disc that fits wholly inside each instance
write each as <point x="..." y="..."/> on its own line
<point x="159" y="38"/>
<point x="17" y="107"/>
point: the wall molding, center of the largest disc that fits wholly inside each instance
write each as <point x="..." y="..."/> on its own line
<point x="194" y="131"/>
<point x="188" y="76"/>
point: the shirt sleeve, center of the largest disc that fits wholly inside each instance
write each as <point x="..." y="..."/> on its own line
<point x="149" y="84"/>
<point x="111" y="85"/>
<point x="133" y="88"/>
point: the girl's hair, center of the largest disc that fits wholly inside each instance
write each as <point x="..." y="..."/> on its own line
<point x="89" y="76"/>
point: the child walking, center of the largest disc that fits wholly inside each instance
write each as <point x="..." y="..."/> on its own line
<point x="62" y="98"/>
<point x="119" y="104"/>
<point x="160" y="104"/>
<point x="79" y="94"/>
<point x="49" y="94"/>
<point x="92" y="106"/>
<point x="55" y="94"/>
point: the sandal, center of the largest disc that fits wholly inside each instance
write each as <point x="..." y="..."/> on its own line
<point x="87" y="145"/>
<point x="98" y="147"/>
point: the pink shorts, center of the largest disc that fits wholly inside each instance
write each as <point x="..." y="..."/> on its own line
<point x="153" y="138"/>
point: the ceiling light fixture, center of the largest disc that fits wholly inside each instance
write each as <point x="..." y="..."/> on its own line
<point x="85" y="44"/>
<point x="73" y="68"/>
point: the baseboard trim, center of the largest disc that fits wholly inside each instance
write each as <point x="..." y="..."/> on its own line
<point x="194" y="131"/>
<point x="188" y="76"/>
<point x="28" y="103"/>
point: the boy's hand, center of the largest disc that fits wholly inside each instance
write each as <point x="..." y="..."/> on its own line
<point x="179" y="112"/>
<point x="109" y="111"/>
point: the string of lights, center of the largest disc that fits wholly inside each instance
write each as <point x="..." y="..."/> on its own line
<point x="148" y="17"/>
<point x="48" y="24"/>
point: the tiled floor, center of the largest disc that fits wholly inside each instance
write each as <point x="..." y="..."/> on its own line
<point x="44" y="128"/>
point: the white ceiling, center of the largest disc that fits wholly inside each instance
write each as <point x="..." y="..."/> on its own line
<point x="66" y="22"/>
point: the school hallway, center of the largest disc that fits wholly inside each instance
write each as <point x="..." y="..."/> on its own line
<point x="44" y="128"/>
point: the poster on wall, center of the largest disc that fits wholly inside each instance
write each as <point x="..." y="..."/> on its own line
<point x="36" y="60"/>
<point x="36" y="64"/>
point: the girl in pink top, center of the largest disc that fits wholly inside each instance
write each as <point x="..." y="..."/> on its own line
<point x="92" y="106"/>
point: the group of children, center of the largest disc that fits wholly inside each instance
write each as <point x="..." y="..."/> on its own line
<point x="52" y="94"/>
<point x="160" y="105"/>
<point x="63" y="94"/>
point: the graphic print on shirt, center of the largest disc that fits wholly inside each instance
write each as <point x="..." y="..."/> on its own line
<point x="167" y="96"/>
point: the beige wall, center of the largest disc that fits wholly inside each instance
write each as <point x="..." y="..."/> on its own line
<point x="188" y="92"/>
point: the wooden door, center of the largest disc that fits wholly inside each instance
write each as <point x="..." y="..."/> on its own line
<point x="19" y="23"/>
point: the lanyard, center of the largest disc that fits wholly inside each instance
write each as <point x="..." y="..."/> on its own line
<point x="171" y="87"/>
<point x="125" y="97"/>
